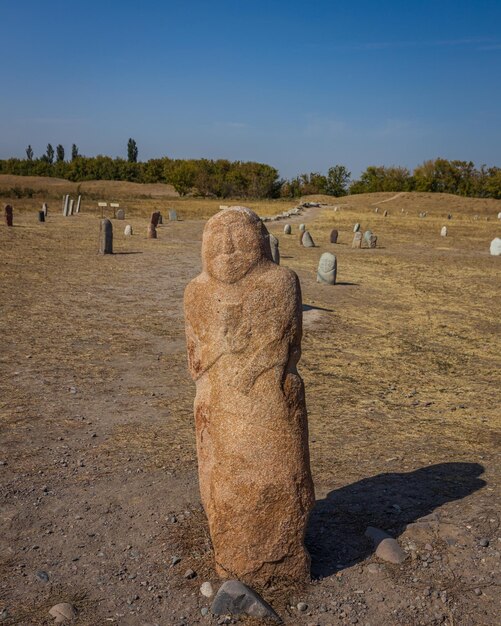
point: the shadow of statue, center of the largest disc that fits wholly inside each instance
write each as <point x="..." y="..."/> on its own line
<point x="335" y="535"/>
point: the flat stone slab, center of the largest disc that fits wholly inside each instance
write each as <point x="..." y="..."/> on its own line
<point x="235" y="598"/>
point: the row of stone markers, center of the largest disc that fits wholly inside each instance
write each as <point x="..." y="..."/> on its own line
<point x="69" y="206"/>
<point x="368" y="239"/>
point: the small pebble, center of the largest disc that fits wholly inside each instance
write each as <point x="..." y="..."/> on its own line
<point x="483" y="542"/>
<point x="302" y="606"/>
<point x="189" y="573"/>
<point x="175" y="560"/>
<point x="477" y="591"/>
<point x="207" y="590"/>
<point x="43" y="576"/>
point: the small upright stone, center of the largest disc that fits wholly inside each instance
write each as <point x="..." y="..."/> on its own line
<point x="45" y="209"/>
<point x="356" y="228"/>
<point x="275" y="252"/>
<point x="449" y="216"/>
<point x="9" y="215"/>
<point x="128" y="230"/>
<point x="120" y="214"/>
<point x="367" y="237"/>
<point x="385" y="214"/>
<point x="357" y="240"/>
<point x="496" y="247"/>
<point x="77" y="208"/>
<point x="499" y="215"/>
<point x="287" y="229"/>
<point x="70" y="207"/>
<point x="66" y="204"/>
<point x="334" y="236"/>
<point x="172" y="215"/>
<point x="152" y="231"/>
<point x="376" y="210"/>
<point x="41" y="216"/>
<point x="327" y="269"/>
<point x="235" y="598"/>
<point x="155" y="216"/>
<point x="302" y="227"/>
<point x="160" y="220"/>
<point x="443" y="232"/>
<point x="106" y="237"/>
<point x="307" y="240"/>
<point x="373" y="241"/>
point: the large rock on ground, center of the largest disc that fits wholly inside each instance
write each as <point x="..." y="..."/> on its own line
<point x="243" y="329"/>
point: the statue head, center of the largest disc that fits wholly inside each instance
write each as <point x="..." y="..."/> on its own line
<point x="234" y="242"/>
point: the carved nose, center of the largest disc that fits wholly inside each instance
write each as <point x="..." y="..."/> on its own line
<point x="227" y="246"/>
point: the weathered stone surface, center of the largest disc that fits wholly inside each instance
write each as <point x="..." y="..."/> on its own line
<point x="307" y="240"/>
<point x="9" y="214"/>
<point x="160" y="219"/>
<point x="206" y="589"/>
<point x="155" y="216"/>
<point x="243" y="329"/>
<point x="327" y="269"/>
<point x="275" y="252"/>
<point x="79" y="201"/>
<point x="495" y="248"/>
<point x="172" y="215"/>
<point x="62" y="612"/>
<point x="120" y="214"/>
<point x="128" y="230"/>
<point x="152" y="231"/>
<point x="357" y="240"/>
<point x="356" y="228"/>
<point x="373" y="241"/>
<point x="367" y="236"/>
<point x="385" y="214"/>
<point x="66" y="204"/>
<point x="334" y="236"/>
<point x="45" y="208"/>
<point x="443" y="232"/>
<point x="235" y="598"/>
<point x="287" y="229"/>
<point x="41" y="216"/>
<point x="376" y="210"/>
<point x="106" y="237"/>
<point x="70" y="206"/>
<point x="302" y="227"/>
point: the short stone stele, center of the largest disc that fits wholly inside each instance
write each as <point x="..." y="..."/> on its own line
<point x="287" y="229"/>
<point x="495" y="248"/>
<point x="120" y="214"/>
<point x="334" y="236"/>
<point x="307" y="240"/>
<point x="302" y="227"/>
<point x="275" y="252"/>
<point x="373" y="241"/>
<point x="327" y="269"/>
<point x="152" y="231"/>
<point x="172" y="215"/>
<point x="106" y="237"/>
<point x="357" y="240"/>
<point x="443" y="232"/>
<point x="128" y="230"/>
<point x="356" y="228"/>
<point x="367" y="236"/>
<point x="9" y="215"/>
<point x="155" y="217"/>
<point x="243" y="330"/>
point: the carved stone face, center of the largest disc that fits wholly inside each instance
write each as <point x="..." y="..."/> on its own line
<point x="233" y="243"/>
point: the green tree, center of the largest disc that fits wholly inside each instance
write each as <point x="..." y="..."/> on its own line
<point x="29" y="153"/>
<point x="338" y="179"/>
<point x="183" y="177"/>
<point x="49" y="154"/>
<point x="132" y="151"/>
<point x="74" y="152"/>
<point x="59" y="153"/>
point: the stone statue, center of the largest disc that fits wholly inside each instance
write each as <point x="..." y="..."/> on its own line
<point x="243" y="328"/>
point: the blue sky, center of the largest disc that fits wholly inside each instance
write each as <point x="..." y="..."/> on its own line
<point x="299" y="85"/>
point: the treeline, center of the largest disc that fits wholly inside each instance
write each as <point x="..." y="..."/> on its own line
<point x="238" y="179"/>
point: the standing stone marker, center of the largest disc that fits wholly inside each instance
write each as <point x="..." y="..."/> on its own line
<point x="45" y="209"/>
<point x="70" y="207"/>
<point x="385" y="214"/>
<point x="9" y="215"/>
<point x="155" y="216"/>
<point x="334" y="236"/>
<point x="243" y="330"/>
<point x="106" y="237"/>
<point x="495" y="248"/>
<point x="160" y="219"/>
<point x="152" y="231"/>
<point x="449" y="216"/>
<point x="356" y="228"/>
<point x="275" y="252"/>
<point x="41" y="216"/>
<point x="376" y="210"/>
<point x="373" y="241"/>
<point x="357" y="240"/>
<point x="79" y="200"/>
<point x="443" y="232"/>
<point x="66" y="205"/>
<point x="172" y="215"/>
<point x="120" y="214"/>
<point x="302" y="227"/>
<point x="499" y="215"/>
<point x="367" y="236"/>
<point x="307" y="240"/>
<point x="287" y="229"/>
<point x="327" y="269"/>
<point x="128" y="230"/>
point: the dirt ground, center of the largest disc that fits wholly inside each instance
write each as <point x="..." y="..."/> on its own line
<point x="402" y="367"/>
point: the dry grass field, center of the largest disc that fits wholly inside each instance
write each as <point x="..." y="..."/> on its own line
<point x="402" y="367"/>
